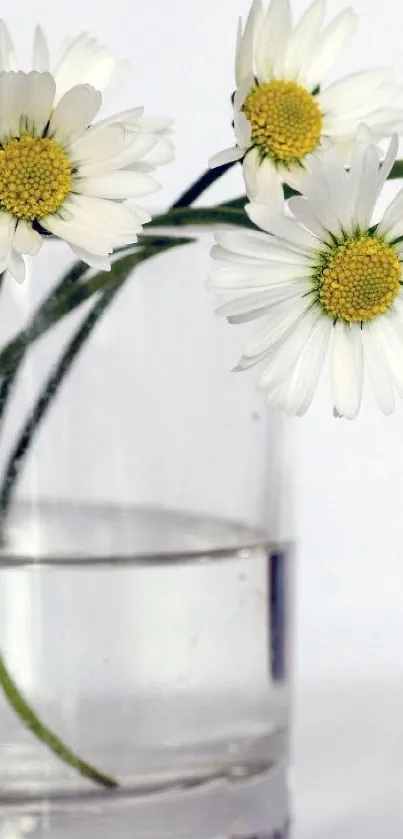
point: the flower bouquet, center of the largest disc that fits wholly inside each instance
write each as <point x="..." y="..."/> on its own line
<point x="146" y="657"/>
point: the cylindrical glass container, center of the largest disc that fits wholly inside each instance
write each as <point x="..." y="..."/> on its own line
<point x="145" y="572"/>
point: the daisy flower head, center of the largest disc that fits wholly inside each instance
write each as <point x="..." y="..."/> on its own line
<point x="323" y="279"/>
<point x="60" y="172"/>
<point x="282" y="110"/>
<point x="64" y="174"/>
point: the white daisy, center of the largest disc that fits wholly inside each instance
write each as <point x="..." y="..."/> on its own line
<point x="61" y="173"/>
<point x="83" y="60"/>
<point x="325" y="276"/>
<point x="283" y="111"/>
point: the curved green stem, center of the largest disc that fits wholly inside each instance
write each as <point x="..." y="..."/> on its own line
<point x="209" y="177"/>
<point x="31" y="721"/>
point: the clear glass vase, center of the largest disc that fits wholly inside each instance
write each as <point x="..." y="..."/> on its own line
<point x="145" y="572"/>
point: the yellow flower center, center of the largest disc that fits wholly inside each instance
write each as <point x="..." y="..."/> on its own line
<point x="35" y="176"/>
<point x="286" y="120"/>
<point x="359" y="280"/>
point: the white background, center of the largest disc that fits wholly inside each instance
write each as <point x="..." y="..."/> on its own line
<point x="349" y="738"/>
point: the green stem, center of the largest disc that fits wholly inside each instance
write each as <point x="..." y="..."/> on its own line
<point x="196" y="189"/>
<point x="397" y="170"/>
<point x="34" y="724"/>
<point x="223" y="214"/>
<point x="7" y="387"/>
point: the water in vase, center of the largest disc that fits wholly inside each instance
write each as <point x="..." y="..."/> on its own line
<point x="156" y="645"/>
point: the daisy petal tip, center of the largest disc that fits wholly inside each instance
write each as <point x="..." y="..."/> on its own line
<point x="17" y="268"/>
<point x="226" y="156"/>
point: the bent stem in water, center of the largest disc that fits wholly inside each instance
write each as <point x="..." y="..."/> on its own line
<point x="31" y="721"/>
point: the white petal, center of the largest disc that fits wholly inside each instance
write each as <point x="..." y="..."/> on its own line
<point x="242" y="92"/>
<point x="342" y="126"/>
<point x="360" y="189"/>
<point x="140" y="215"/>
<point x="245" y="276"/>
<point x="285" y="228"/>
<point x="388" y="161"/>
<point x="86" y="61"/>
<point x="336" y="178"/>
<point x="96" y="145"/>
<point x="246" y="42"/>
<point x="392" y="348"/>
<point x="385" y="121"/>
<point x="163" y="152"/>
<point x="288" y="351"/>
<point x="273" y="36"/>
<point x="132" y="117"/>
<point x="391" y="223"/>
<point x="222" y="255"/>
<point x="263" y="183"/>
<point x="318" y="190"/>
<point x="25" y="239"/>
<point x="135" y="148"/>
<point x="302" y="380"/>
<point x="226" y="156"/>
<point x="117" y="185"/>
<point x="332" y="41"/>
<point x="243" y="129"/>
<point x="13" y="98"/>
<point x="8" y="59"/>
<point x="378" y="371"/>
<point x="40" y="60"/>
<point x="258" y="302"/>
<point x="102" y="215"/>
<point x="259" y="245"/>
<point x="251" y="163"/>
<point x="40" y="96"/>
<point x="278" y="323"/>
<point x="238" y="53"/>
<point x="304" y="38"/>
<point x="347" y="368"/>
<point x="17" y="267"/>
<point x="7" y="227"/>
<point x="368" y="188"/>
<point x="101" y="263"/>
<point x="304" y="212"/>
<point x="349" y="91"/>
<point x="76" y="234"/>
<point x="74" y="113"/>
